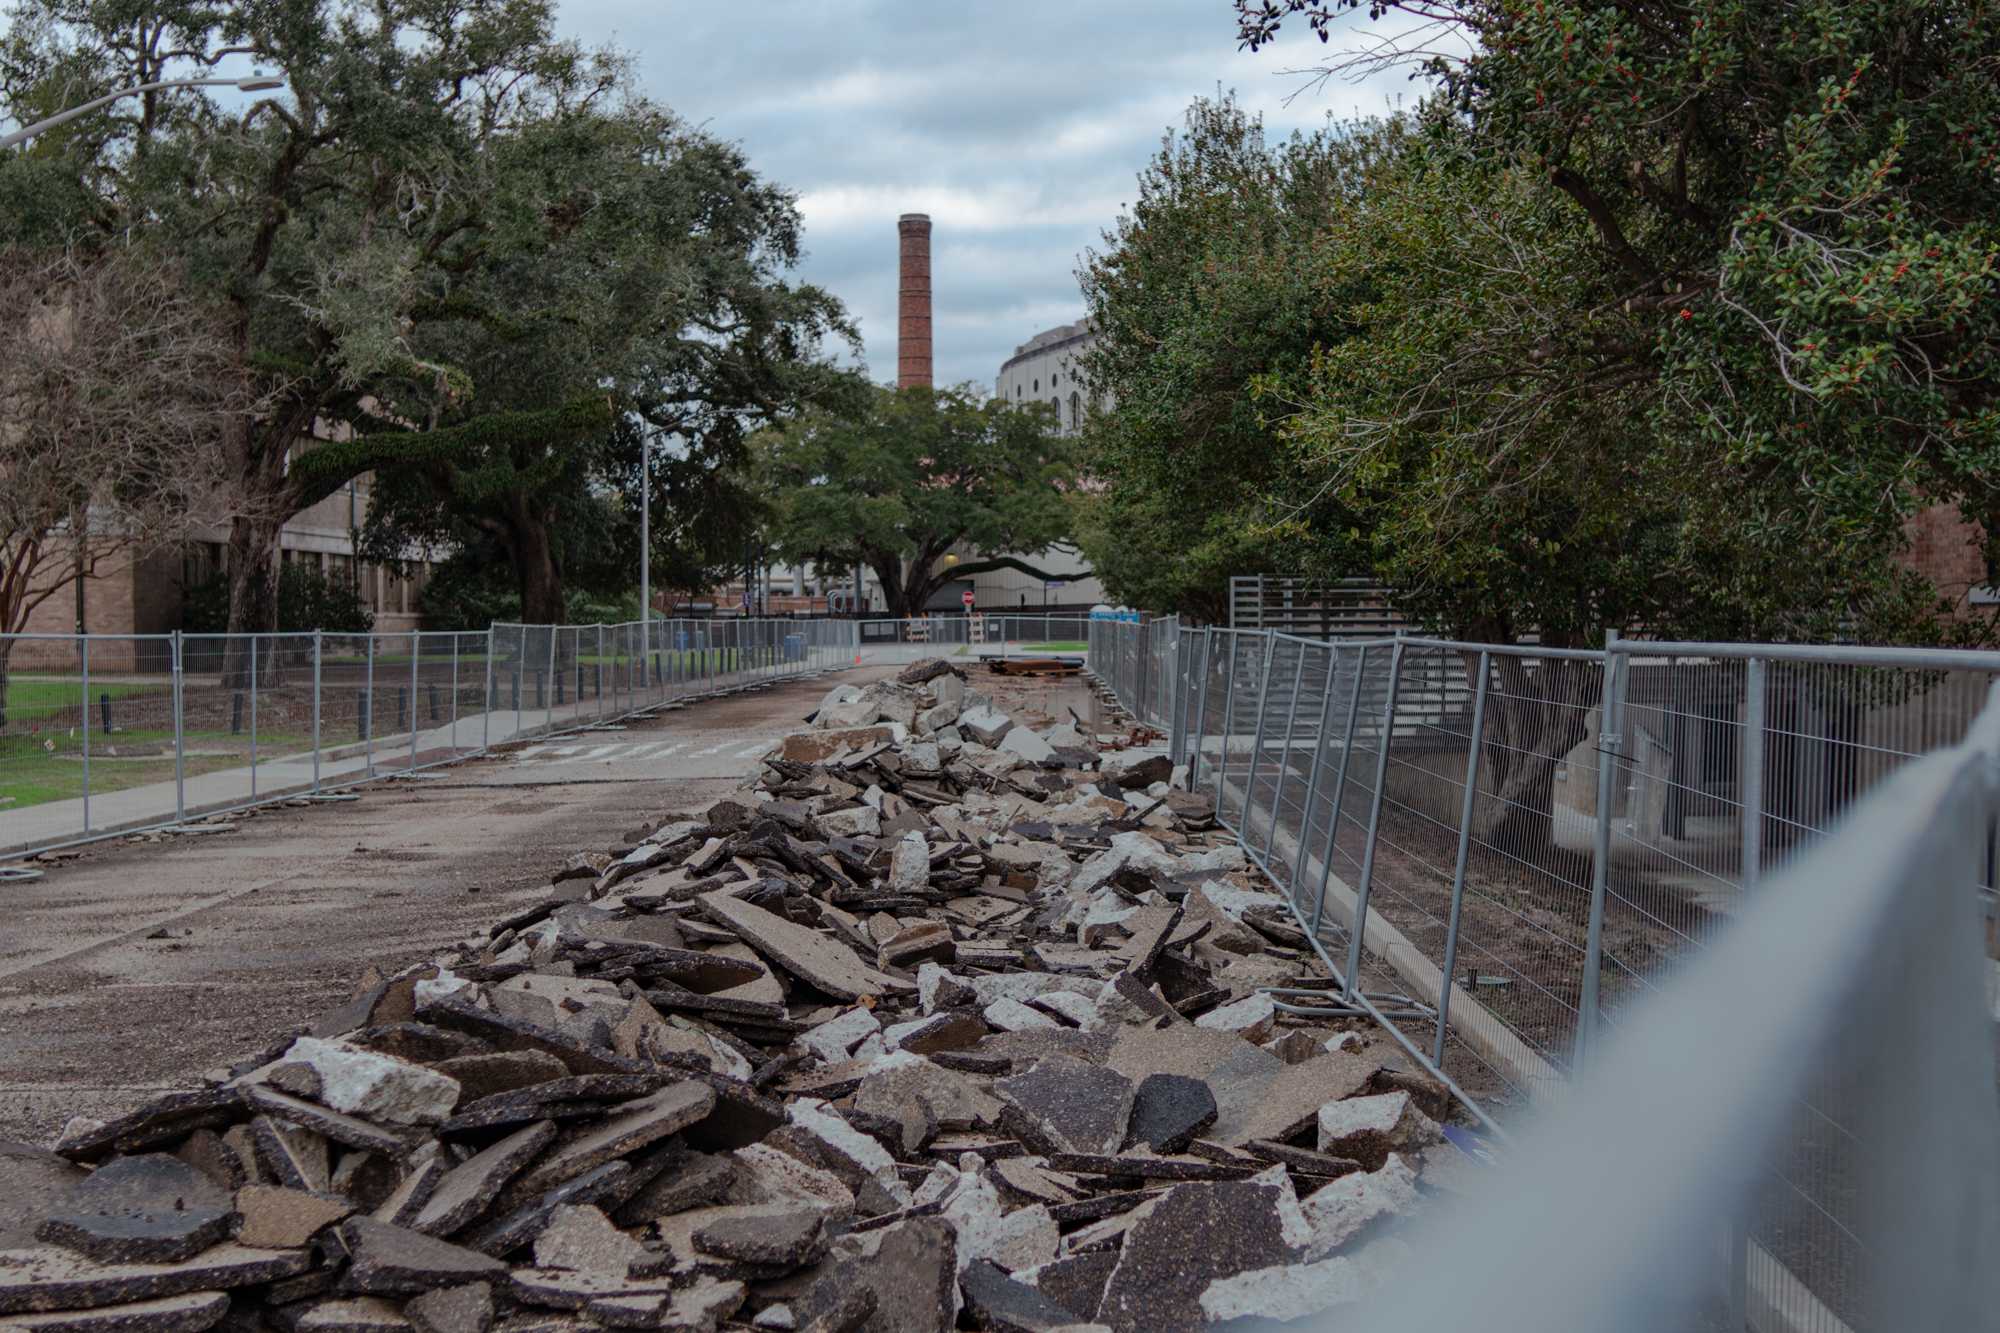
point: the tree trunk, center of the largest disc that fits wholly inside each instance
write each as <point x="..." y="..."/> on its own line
<point x="535" y="573"/>
<point x="889" y="570"/>
<point x="253" y="599"/>
<point x="923" y="581"/>
<point x="1537" y="710"/>
<point x="6" y="654"/>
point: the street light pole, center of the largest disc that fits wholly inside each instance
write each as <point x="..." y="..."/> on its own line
<point x="645" y="538"/>
<point x="256" y="83"/>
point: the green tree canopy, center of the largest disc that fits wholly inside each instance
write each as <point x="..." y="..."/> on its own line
<point x="1683" y="313"/>
<point x="337" y="218"/>
<point x="662" y="292"/>
<point x="456" y="251"/>
<point x="899" y="477"/>
<point x="1196" y="294"/>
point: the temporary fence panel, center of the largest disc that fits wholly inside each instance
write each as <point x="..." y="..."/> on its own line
<point x="1532" y="836"/>
<point x="86" y="731"/>
<point x="102" y="734"/>
<point x="1856" y="968"/>
<point x="980" y="634"/>
<point x="1344" y="609"/>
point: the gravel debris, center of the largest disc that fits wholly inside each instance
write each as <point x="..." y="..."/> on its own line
<point x="952" y="1019"/>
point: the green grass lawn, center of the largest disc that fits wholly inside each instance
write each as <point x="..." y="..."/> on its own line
<point x="31" y="696"/>
<point x="1058" y="646"/>
<point x="48" y="765"/>
<point x="42" y="748"/>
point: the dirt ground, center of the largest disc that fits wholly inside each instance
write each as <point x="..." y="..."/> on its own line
<point x="134" y="966"/>
<point x="137" y="965"/>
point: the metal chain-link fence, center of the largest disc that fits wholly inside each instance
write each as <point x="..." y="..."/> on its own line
<point x="1528" y="837"/>
<point x="107" y="734"/>
<point x="980" y="634"/>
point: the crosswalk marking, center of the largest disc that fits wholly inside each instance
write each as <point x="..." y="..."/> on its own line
<point x="639" y="751"/>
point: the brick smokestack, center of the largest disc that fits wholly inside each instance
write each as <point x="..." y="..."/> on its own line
<point x="913" y="301"/>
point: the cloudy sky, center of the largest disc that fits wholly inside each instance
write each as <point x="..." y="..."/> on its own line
<point x="1018" y="125"/>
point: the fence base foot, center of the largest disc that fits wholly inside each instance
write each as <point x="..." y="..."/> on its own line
<point x="1336" y="1006"/>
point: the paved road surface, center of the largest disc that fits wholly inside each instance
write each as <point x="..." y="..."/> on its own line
<point x="133" y="968"/>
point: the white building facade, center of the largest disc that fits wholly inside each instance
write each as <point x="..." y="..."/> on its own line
<point x="1045" y="369"/>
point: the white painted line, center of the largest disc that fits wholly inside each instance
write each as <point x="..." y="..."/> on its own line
<point x="713" y="749"/>
<point x="600" y="751"/>
<point x="752" y="752"/>
<point x="565" y="750"/>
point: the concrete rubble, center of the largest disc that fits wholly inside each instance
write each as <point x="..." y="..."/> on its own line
<point x="948" y="1022"/>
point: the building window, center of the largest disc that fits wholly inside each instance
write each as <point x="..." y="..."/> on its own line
<point x="1038" y="384"/>
<point x="1075" y="410"/>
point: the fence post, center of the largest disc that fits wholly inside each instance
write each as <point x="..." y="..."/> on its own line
<point x="416" y="652"/>
<point x="83" y="652"/>
<point x="1312" y="778"/>
<point x="1340" y="780"/>
<point x="1464" y="851"/>
<point x="486" y="713"/>
<point x="1609" y="728"/>
<point x="253" y="717"/>
<point x="1200" y="709"/>
<point x="1374" y="821"/>
<point x="180" y="735"/>
<point x="548" y="696"/>
<point x="1285" y="763"/>
<point x="1149" y="674"/>
<point x="1257" y="734"/>
<point x="454" y="693"/>
<point x="317" y="638"/>
<point x="368" y="707"/>
<point x="1228" y="716"/>
<point x="1752" y="744"/>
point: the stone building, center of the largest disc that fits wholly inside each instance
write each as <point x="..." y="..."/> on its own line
<point x="144" y="594"/>
<point x="1046" y="369"/>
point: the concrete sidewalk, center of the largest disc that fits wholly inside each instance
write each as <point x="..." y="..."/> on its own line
<point x="54" y="824"/>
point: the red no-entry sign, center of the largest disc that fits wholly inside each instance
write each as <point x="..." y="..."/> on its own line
<point x="966" y="597"/>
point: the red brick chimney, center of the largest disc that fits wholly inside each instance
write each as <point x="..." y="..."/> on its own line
<point x="913" y="302"/>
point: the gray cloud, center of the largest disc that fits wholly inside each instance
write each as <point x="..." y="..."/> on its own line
<point x="1020" y="127"/>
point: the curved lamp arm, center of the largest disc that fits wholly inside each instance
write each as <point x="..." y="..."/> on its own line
<point x="255" y="83"/>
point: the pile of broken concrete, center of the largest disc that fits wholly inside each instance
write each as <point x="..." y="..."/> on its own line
<point x="948" y="1023"/>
